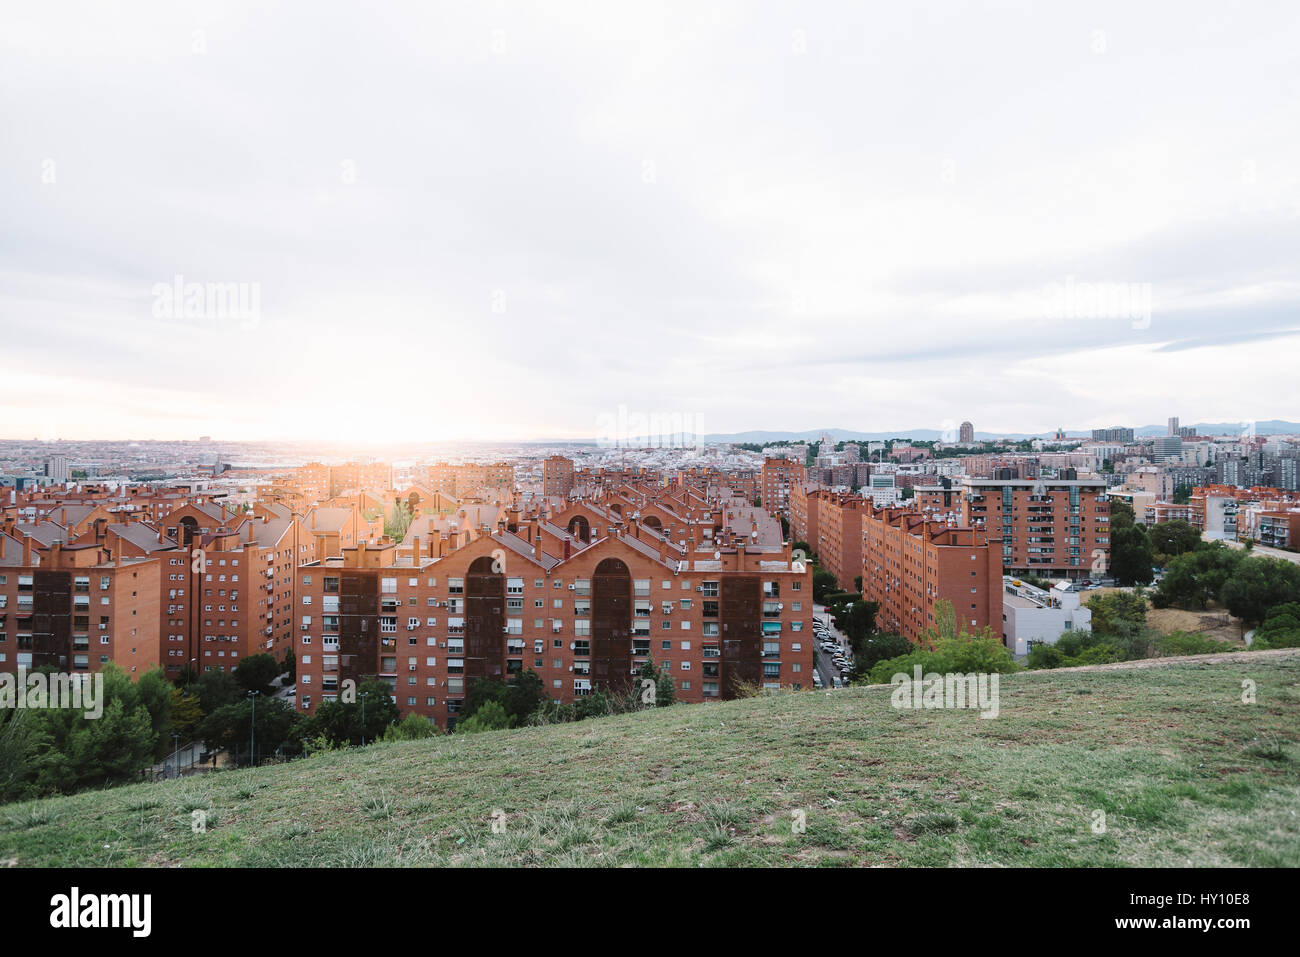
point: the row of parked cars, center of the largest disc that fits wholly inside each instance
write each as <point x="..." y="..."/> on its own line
<point x="827" y="642"/>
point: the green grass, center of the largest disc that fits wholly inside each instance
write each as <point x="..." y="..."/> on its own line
<point x="1182" y="771"/>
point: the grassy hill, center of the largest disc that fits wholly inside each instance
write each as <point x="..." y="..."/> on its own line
<point x="1184" y="771"/>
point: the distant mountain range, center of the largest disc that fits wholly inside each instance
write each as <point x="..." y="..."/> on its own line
<point x="1268" y="427"/>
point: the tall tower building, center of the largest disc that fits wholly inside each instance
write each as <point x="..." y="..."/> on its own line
<point x="56" y="467"/>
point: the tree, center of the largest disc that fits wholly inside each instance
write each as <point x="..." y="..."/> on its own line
<point x="823" y="583"/>
<point x="665" y="689"/>
<point x="949" y="649"/>
<point x="350" y="722"/>
<point x="231" y="727"/>
<point x="186" y="712"/>
<point x="398" y="521"/>
<point x="411" y="728"/>
<point x="215" y="689"/>
<point x="1117" y="613"/>
<point x="1182" y="494"/>
<point x="256" y="672"/>
<point x="290" y="665"/>
<point x="1130" y="547"/>
<point x="1174" y="538"/>
<point x="868" y="652"/>
<point x="154" y="693"/>
<point x="61" y="750"/>
<point x="489" y="717"/>
<point x="479" y="693"/>
<point x="524" y="694"/>
<point x="1257" y="585"/>
<point x="519" y="697"/>
<point x="1043" y="655"/>
<point x="1281" y="628"/>
<point x="1195" y="578"/>
<point x="1119" y="620"/>
<point x="860" y="621"/>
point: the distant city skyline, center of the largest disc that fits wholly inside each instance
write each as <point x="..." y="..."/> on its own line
<point x="1146" y="430"/>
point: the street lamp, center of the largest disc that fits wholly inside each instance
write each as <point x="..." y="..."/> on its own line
<point x="176" y="746"/>
<point x="252" y="732"/>
<point x="364" y="696"/>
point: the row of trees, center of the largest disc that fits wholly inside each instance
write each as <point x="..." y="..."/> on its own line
<point x="1199" y="573"/>
<point x="58" y="750"/>
<point x="53" y="750"/>
<point x="1120" y="631"/>
<point x="522" y="701"/>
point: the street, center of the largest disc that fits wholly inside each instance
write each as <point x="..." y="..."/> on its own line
<point x="826" y="667"/>
<point x="1260" y="550"/>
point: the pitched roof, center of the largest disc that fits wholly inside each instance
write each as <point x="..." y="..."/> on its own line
<point x="142" y="537"/>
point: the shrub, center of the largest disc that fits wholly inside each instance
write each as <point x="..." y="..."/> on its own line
<point x="1189" y="643"/>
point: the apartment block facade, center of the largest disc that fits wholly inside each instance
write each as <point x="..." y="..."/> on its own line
<point x="911" y="562"/>
<point x="1047" y="526"/>
<point x="778" y="477"/>
<point x="839" y="541"/>
<point x="500" y="604"/>
<point x="557" y="475"/>
<point x="76" y="608"/>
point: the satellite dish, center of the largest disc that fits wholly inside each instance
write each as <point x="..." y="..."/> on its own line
<point x="717" y="554"/>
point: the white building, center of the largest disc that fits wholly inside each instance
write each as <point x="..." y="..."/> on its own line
<point x="1032" y="616"/>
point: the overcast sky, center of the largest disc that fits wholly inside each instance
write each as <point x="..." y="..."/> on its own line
<point x="498" y="220"/>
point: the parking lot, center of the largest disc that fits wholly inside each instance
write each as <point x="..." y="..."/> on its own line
<point x="831" y="651"/>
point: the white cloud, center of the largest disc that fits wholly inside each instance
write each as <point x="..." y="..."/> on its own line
<point x="497" y="221"/>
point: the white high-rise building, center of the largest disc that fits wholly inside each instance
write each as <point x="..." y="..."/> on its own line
<point x="56" y="468"/>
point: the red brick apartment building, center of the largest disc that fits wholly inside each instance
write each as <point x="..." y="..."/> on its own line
<point x="805" y="513"/>
<point x="939" y="500"/>
<point x="778" y="477"/>
<point x="584" y="618"/>
<point x="1048" y="526"/>
<point x="465" y="479"/>
<point x="165" y="604"/>
<point x="910" y="562"/>
<point x="77" y="607"/>
<point x="557" y="475"/>
<point x="839" y="542"/>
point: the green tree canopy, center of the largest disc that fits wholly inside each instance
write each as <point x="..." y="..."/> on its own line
<point x="256" y="673"/>
<point x="1174" y="538"/>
